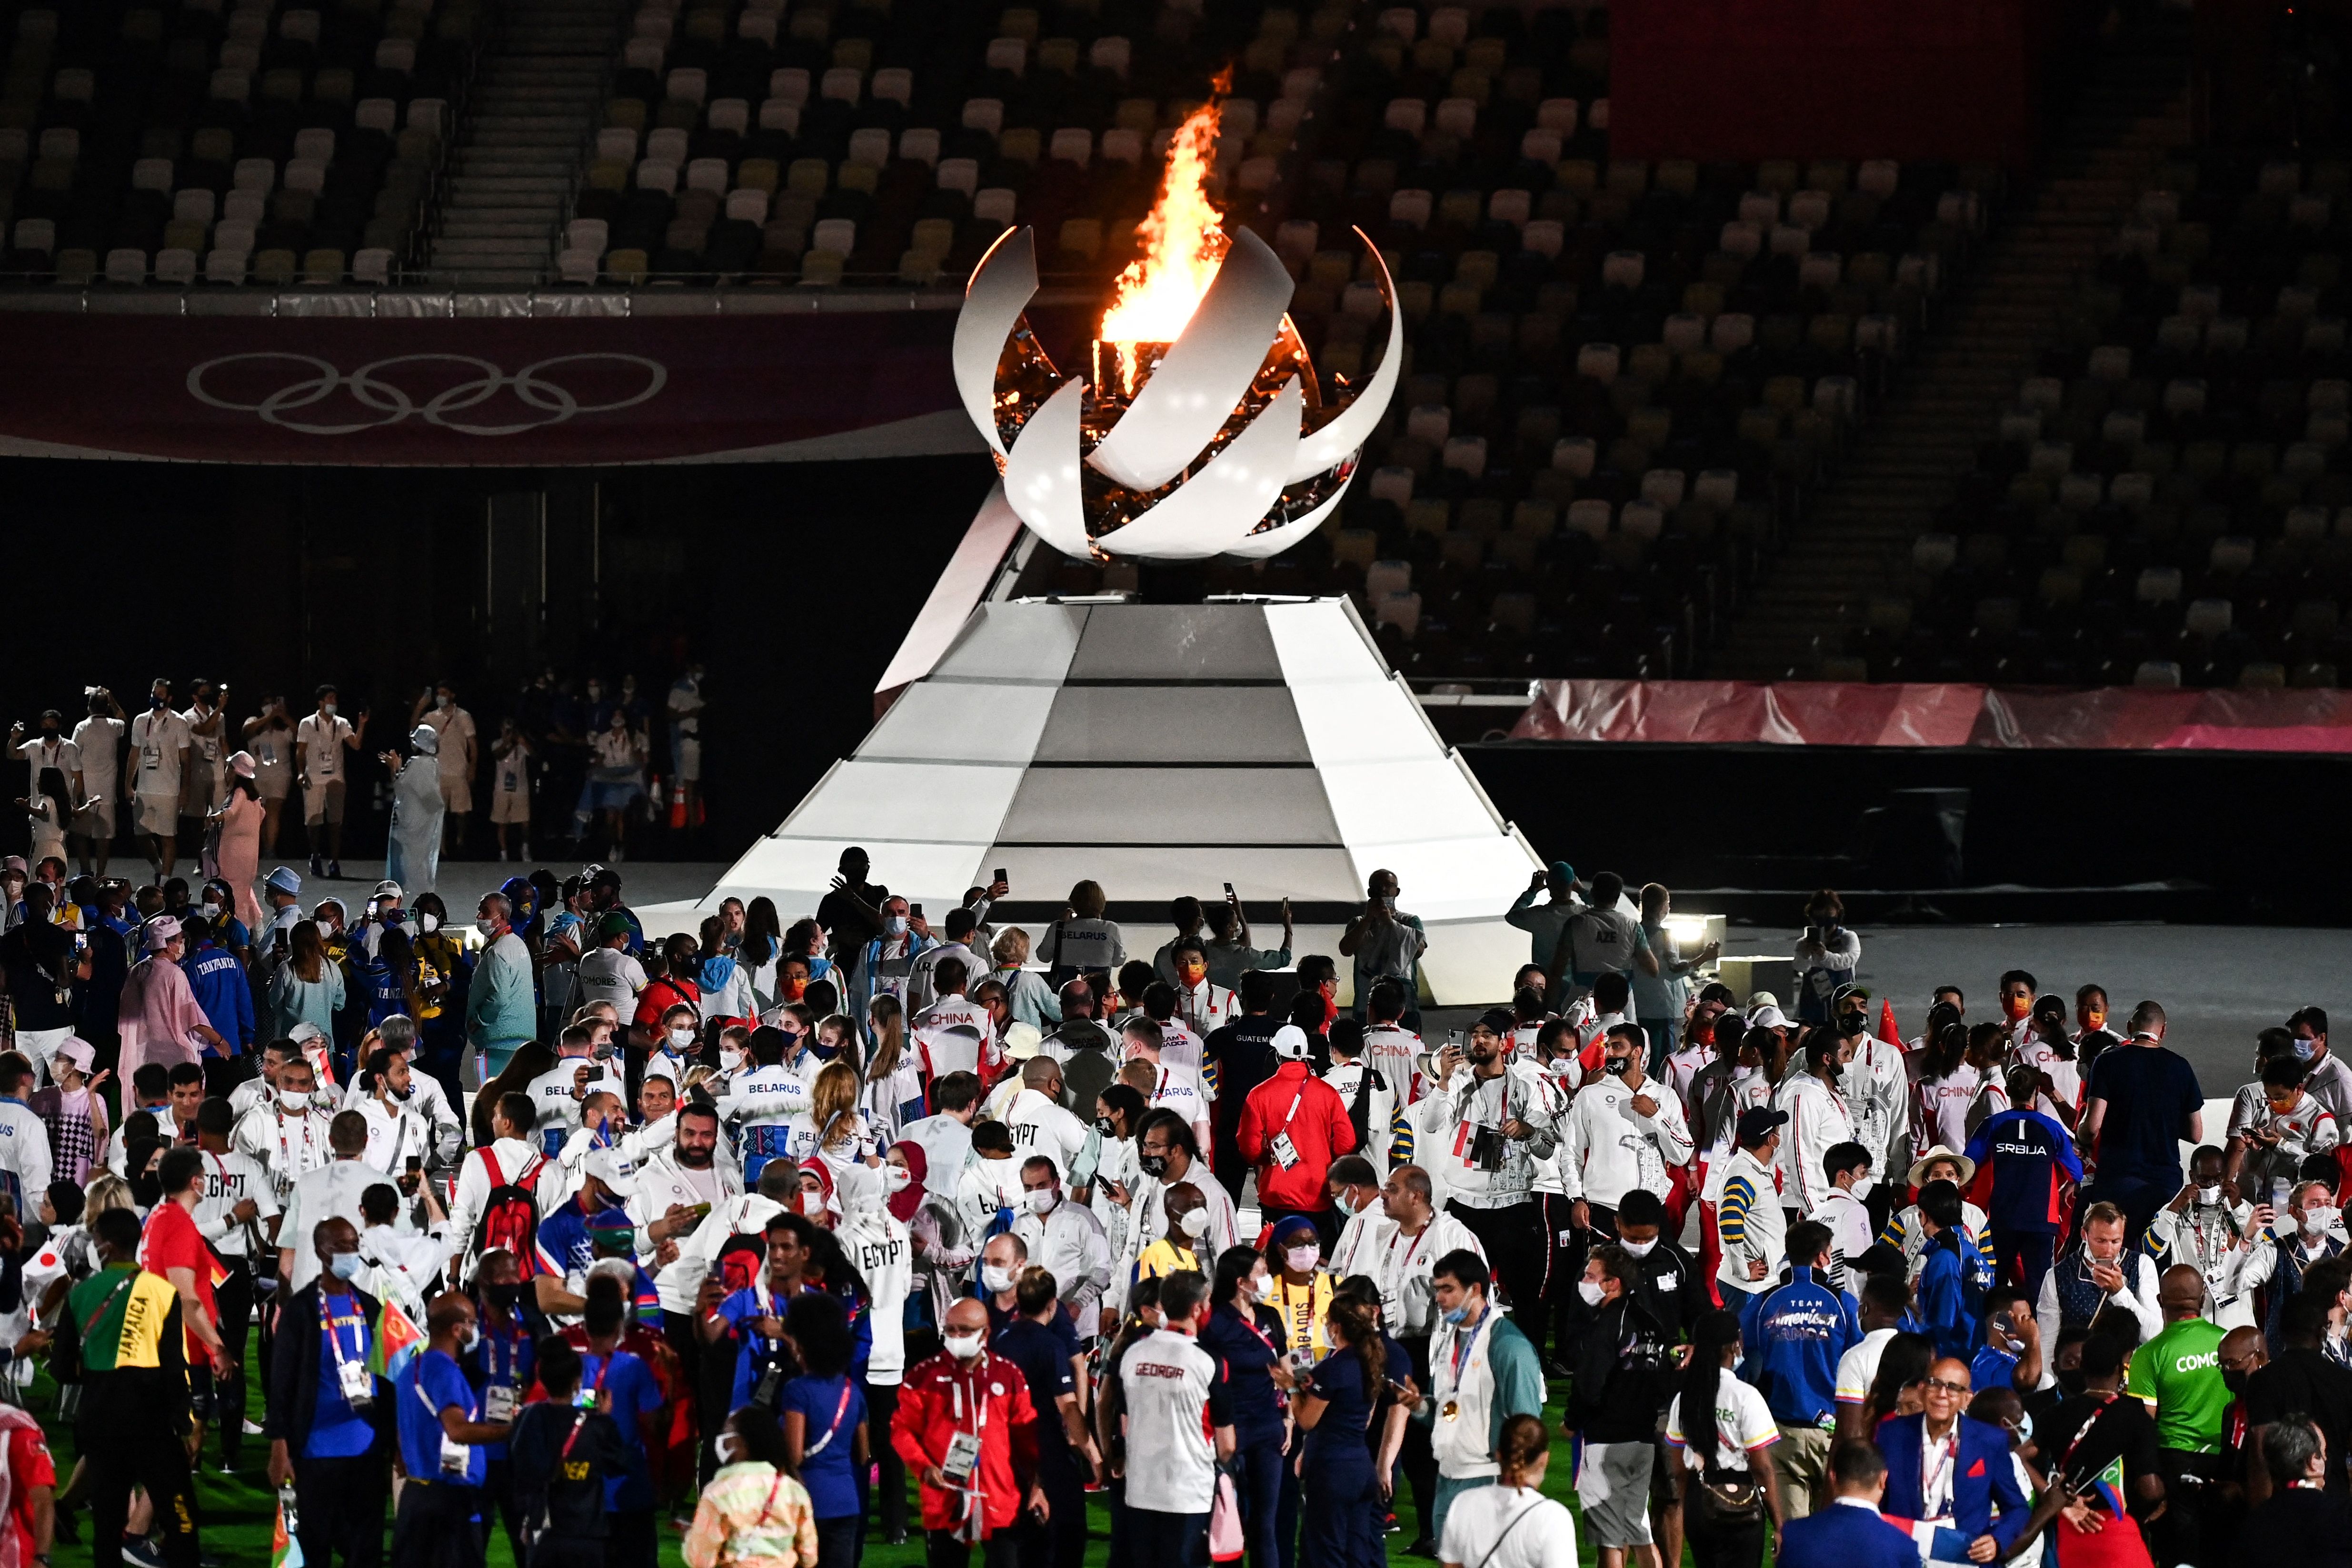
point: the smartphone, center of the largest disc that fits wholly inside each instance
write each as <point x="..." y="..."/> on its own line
<point x="916" y="910"/>
<point x="1229" y="889"/>
<point x="998" y="875"/>
<point x="416" y="1164"/>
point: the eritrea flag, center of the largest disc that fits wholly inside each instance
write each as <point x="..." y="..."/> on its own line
<point x="396" y="1342"/>
<point x="285" y="1552"/>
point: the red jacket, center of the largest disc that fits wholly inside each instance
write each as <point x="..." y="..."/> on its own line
<point x="943" y="1397"/>
<point x="1319" y="1132"/>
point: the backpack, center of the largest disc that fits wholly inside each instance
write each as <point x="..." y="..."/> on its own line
<point x="509" y="1221"/>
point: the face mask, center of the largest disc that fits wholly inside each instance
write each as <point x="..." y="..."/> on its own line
<point x="404" y="1094"/>
<point x="2305" y="1049"/>
<point x="1301" y="1259"/>
<point x="795" y="989"/>
<point x="2016" y="1007"/>
<point x="2316" y="1220"/>
<point x="2210" y="1195"/>
<point x="1849" y="1025"/>
<point x="471" y="1337"/>
<point x="1195" y="1224"/>
<point x="1042" y="1199"/>
<point x="1387" y="902"/>
<point x="1615" y="1066"/>
<point x="812" y="1203"/>
<point x="964" y="1347"/>
<point x="1591" y="1290"/>
<point x="444" y="700"/>
<point x="995" y="1281"/>
<point x="681" y="1037"/>
<point x="159" y="704"/>
<point x="1347" y="1205"/>
<point x="895" y="1177"/>
<point x="428" y="925"/>
<point x="1192" y="974"/>
<point x="1152" y="1165"/>
<point x="2235" y="1382"/>
<point x="295" y="1100"/>
<point x="1862" y="1185"/>
<point x="345" y="1265"/>
<point x="602" y="1050"/>
<point x="326" y="708"/>
<point x="211" y="912"/>
<point x="895" y="925"/>
<point x="1255" y="1287"/>
<point x="2070" y="1378"/>
<point x="1458" y="1316"/>
<point x="722" y="1447"/>
<point x="488" y="928"/>
<point x="1639" y="1248"/>
<point x="503" y="1297"/>
<point x="824" y="1050"/>
<point x="730" y="1061"/>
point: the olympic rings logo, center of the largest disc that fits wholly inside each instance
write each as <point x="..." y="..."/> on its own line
<point x="530" y="386"/>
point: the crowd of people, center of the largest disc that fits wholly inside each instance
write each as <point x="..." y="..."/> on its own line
<point x="581" y="762"/>
<point x="795" y="1237"/>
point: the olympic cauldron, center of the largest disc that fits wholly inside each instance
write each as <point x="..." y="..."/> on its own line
<point x="1215" y="442"/>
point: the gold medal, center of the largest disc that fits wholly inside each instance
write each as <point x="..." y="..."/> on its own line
<point x="1451" y="1411"/>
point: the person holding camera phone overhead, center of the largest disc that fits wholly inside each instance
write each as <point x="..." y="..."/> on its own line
<point x="1491" y="1119"/>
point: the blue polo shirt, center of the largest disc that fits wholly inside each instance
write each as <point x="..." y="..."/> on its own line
<point x="337" y="1431"/>
<point x="426" y="1386"/>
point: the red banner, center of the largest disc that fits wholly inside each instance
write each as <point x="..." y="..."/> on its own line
<point x="518" y="391"/>
<point x="1836" y="714"/>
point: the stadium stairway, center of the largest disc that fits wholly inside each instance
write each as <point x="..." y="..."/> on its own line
<point x="534" y="108"/>
<point x="1855" y="545"/>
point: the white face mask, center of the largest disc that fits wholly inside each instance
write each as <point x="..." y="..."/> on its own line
<point x="1862" y="1185"/>
<point x="681" y="1037"/>
<point x="2318" y="1218"/>
<point x="895" y="925"/>
<point x="1195" y="1224"/>
<point x="428" y="925"/>
<point x="295" y="1100"/>
<point x="812" y="1203"/>
<point x="1041" y="1200"/>
<point x="964" y="1347"/>
<point x="722" y="1447"/>
<point x="895" y="1177"/>
<point x="487" y="926"/>
<point x="1302" y="1260"/>
<point x="1256" y="1286"/>
<point x="328" y="708"/>
<point x="729" y="1062"/>
<point x="995" y="1281"/>
<point x="2210" y="1194"/>
<point x="1591" y="1290"/>
<point x="1639" y="1248"/>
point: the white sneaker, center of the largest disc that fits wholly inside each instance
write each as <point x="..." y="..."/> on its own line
<point x="252" y="1428"/>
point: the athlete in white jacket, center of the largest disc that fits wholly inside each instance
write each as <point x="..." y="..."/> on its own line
<point x="1623" y="1129"/>
<point x="1818" y="1120"/>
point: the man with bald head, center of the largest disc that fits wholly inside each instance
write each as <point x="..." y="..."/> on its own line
<point x="2178" y="1376"/>
<point x="324" y="1403"/>
<point x="965" y="1425"/>
<point x="1948" y="1476"/>
<point x="1039" y="1121"/>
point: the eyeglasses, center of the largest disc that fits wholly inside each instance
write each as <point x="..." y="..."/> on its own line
<point x="1946" y="1386"/>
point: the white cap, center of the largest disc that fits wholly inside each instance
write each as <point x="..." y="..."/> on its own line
<point x="387" y="889"/>
<point x="77" y="1051"/>
<point x="1290" y="1043"/>
<point x="1768" y="1016"/>
<point x="615" y="1170"/>
<point x="302" y="1034"/>
<point x="1021" y="1041"/>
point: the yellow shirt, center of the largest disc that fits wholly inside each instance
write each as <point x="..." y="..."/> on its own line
<point x="1306" y="1313"/>
<point x="1163" y="1257"/>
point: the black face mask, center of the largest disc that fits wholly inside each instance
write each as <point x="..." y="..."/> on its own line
<point x="1153" y="1165"/>
<point x="502" y="1297"/>
<point x="1106" y="1127"/>
<point x="1849" y="1025"/>
<point x="2070" y="1378"/>
<point x="2235" y="1382"/>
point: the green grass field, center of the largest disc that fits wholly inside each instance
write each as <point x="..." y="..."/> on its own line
<point x="239" y="1509"/>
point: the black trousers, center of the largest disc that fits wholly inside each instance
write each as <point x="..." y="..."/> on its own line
<point x="947" y="1549"/>
<point x="122" y="1459"/>
<point x="1414" y="1455"/>
<point x="500" y="1501"/>
<point x="1566" y="1248"/>
<point x="881" y="1405"/>
<point x="1061" y="1541"/>
<point x="437" y="1526"/>
<point x="234" y="1299"/>
<point x="2194" y="1526"/>
<point x="634" y="1542"/>
<point x="1519" y="1246"/>
<point x="1727" y="1545"/>
<point x="342" y="1504"/>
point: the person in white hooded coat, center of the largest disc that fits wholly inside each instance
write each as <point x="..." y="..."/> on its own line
<point x="412" y="855"/>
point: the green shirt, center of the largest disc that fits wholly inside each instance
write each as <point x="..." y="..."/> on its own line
<point x="2178" y="1376"/>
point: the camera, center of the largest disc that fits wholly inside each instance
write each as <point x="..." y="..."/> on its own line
<point x="1487" y="1146"/>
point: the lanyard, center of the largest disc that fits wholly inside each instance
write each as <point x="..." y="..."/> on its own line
<point x="1929" y="1480"/>
<point x="1463" y="1343"/>
<point x="1293" y="1111"/>
<point x="1301" y="1316"/>
<point x="579" y="1419"/>
<point x="111" y="1297"/>
<point x="840" y="1411"/>
<point x="327" y="1322"/>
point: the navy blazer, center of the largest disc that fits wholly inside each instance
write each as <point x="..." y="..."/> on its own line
<point x="1843" y="1537"/>
<point x="1984" y="1483"/>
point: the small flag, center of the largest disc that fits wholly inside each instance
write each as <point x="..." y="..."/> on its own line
<point x="396" y="1342"/>
<point x="1886" y="1029"/>
<point x="285" y="1552"/>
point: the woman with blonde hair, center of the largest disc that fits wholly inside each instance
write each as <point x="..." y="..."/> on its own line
<point x="894" y="1079"/>
<point x="308" y="988"/>
<point x="1026" y="991"/>
<point x="833" y="1128"/>
<point x="1082" y="942"/>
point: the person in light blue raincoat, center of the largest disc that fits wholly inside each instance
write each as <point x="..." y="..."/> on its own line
<point x="412" y="857"/>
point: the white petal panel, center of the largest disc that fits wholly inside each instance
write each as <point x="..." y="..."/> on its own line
<point x="1208" y="513"/>
<point x="1340" y="437"/>
<point x="1001" y="287"/>
<point x="1041" y="474"/>
<point x="1274" y="540"/>
<point x="1199" y="383"/>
